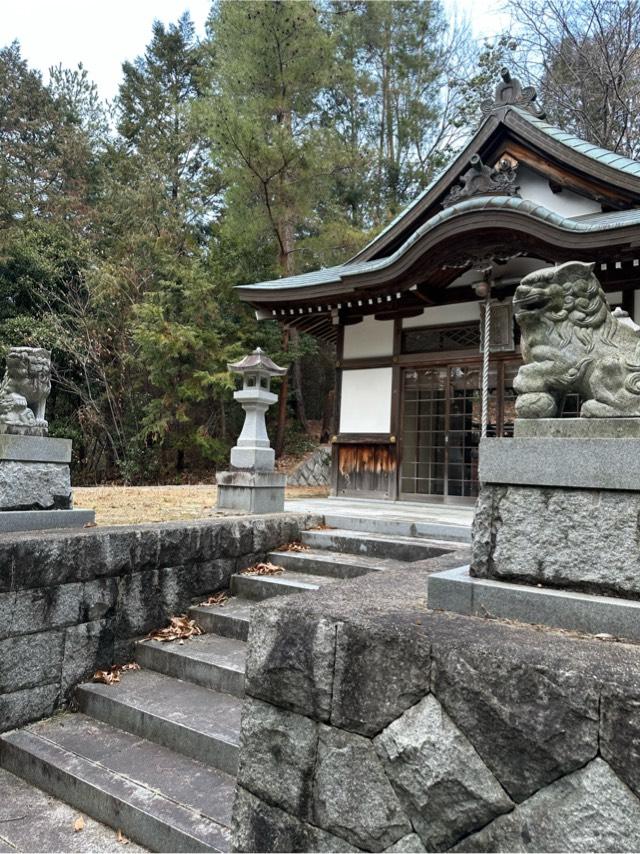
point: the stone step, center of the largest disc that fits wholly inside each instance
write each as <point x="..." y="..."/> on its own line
<point x="332" y="564"/>
<point x="32" y="820"/>
<point x="195" y="721"/>
<point x="211" y="661"/>
<point x="258" y="587"/>
<point x="406" y="549"/>
<point x="399" y="527"/>
<point x="156" y="797"/>
<point x="230" y="620"/>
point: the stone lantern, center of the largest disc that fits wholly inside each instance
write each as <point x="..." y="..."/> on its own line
<point x="252" y="484"/>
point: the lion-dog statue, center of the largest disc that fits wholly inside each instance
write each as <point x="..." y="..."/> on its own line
<point x="572" y="343"/>
<point x="24" y="391"/>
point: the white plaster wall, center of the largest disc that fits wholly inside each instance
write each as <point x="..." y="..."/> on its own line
<point x="365" y="402"/>
<point x="536" y="189"/>
<point x="371" y="337"/>
<point x="438" y="315"/>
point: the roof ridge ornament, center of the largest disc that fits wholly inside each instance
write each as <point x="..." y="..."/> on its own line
<point x="511" y="93"/>
<point x="482" y="180"/>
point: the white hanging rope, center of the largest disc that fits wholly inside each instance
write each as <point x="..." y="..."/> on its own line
<point x="485" y="362"/>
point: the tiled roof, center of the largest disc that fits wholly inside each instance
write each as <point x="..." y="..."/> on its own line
<point x="584" y="224"/>
<point x="602" y="155"/>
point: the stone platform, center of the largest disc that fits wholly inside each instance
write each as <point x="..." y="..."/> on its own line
<point x="457" y="591"/>
<point x="44" y="520"/>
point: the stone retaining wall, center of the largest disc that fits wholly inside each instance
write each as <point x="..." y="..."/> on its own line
<point x="372" y="724"/>
<point x="74" y="602"/>
<point x="314" y="471"/>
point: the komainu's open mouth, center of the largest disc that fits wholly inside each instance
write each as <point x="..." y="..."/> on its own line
<point x="530" y="302"/>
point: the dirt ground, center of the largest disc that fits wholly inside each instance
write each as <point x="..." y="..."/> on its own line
<point x="129" y="505"/>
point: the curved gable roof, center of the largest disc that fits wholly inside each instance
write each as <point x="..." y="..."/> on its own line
<point x="575" y="154"/>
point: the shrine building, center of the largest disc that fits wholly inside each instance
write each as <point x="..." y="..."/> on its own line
<point x="407" y="312"/>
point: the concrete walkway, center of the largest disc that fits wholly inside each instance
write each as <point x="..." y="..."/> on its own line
<point x="407" y="511"/>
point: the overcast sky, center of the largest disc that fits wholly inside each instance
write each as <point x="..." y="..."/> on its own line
<point x="101" y="35"/>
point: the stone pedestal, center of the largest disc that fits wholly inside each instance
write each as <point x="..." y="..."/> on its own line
<point x="35" y="479"/>
<point x="251" y="491"/>
<point x="561" y="511"/>
<point x="558" y="510"/>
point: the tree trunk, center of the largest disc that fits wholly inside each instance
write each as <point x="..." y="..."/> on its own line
<point x="282" y="403"/>
<point x="297" y="386"/>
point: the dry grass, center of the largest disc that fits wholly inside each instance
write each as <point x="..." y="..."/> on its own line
<point x="130" y="505"/>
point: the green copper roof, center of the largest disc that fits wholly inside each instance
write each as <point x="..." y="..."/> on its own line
<point x="602" y="155"/>
<point x="582" y="224"/>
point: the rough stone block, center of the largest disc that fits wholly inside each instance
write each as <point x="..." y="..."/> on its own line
<point x="236" y="538"/>
<point x="530" y="714"/>
<point x="258" y="826"/>
<point x="87" y="647"/>
<point x="277" y="756"/>
<point x="98" y="599"/>
<point x="31" y="704"/>
<point x="620" y="732"/>
<point x="25" y="611"/>
<point x="379" y="672"/>
<point x="581" y="539"/>
<point x="589" y="810"/>
<point x="290" y="661"/>
<point x="353" y="797"/>
<point x="30" y="660"/>
<point x="34" y="486"/>
<point x="409" y="844"/>
<point x="445" y="788"/>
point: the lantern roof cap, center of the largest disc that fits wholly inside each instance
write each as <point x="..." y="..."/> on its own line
<point x="257" y="361"/>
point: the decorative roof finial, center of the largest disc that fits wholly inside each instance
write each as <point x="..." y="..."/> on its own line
<point x="511" y="93"/>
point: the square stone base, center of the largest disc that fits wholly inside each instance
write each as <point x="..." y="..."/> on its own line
<point x="457" y="591"/>
<point x="251" y="492"/>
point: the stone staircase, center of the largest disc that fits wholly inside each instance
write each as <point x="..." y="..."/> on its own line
<point x="156" y="755"/>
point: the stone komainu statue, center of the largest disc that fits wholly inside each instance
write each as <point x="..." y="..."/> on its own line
<point x="24" y="391"/>
<point x="572" y="343"/>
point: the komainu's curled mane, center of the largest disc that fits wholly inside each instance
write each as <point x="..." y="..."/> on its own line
<point x="571" y="342"/>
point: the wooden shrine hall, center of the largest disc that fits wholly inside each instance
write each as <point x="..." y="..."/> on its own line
<point x="407" y="312"/>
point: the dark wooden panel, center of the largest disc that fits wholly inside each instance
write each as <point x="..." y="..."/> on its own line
<point x="366" y="470"/>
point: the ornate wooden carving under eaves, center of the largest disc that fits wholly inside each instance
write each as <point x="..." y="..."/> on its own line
<point x="483" y="261"/>
<point x="511" y="93"/>
<point x="481" y="180"/>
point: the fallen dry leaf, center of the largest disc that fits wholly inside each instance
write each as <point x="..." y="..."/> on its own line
<point x="90" y="525"/>
<point x="263" y="569"/>
<point x="107" y="677"/>
<point x="179" y="628"/>
<point x="295" y="546"/>
<point x="216" y="599"/>
<point x="323" y="527"/>
<point x="121" y="838"/>
<point x="78" y="824"/>
<point x="112" y="676"/>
